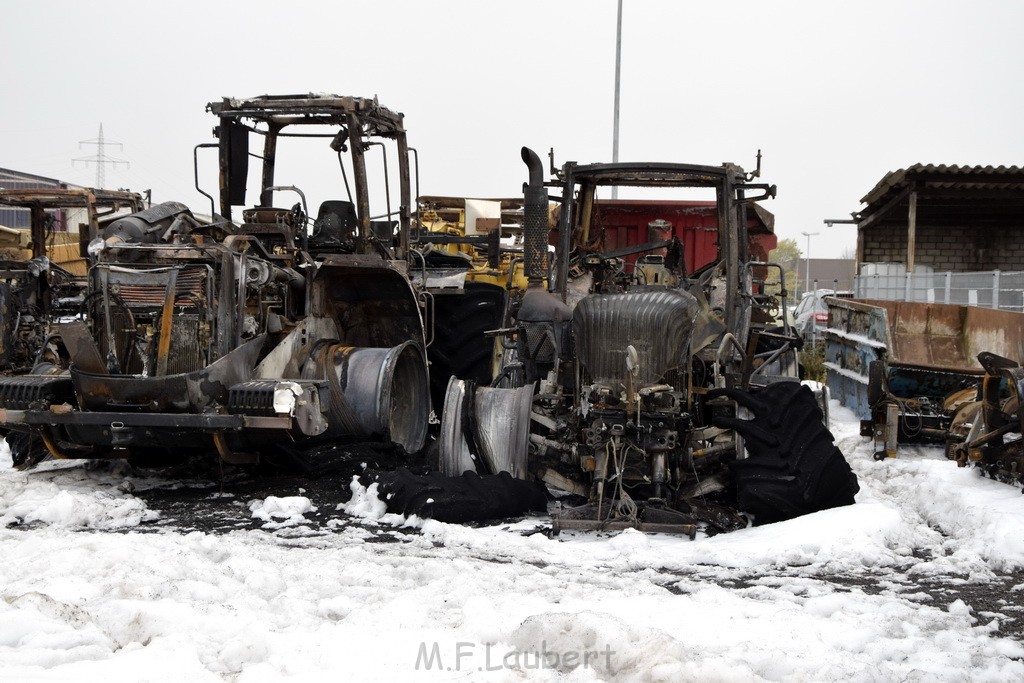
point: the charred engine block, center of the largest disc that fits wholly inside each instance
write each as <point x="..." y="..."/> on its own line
<point x="156" y="224"/>
<point x="134" y="310"/>
<point x="181" y="317"/>
<point x="161" y="307"/>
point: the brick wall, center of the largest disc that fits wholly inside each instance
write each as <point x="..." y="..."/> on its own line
<point x="886" y="243"/>
<point x="953" y="249"/>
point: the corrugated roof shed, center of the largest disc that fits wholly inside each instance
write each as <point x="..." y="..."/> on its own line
<point x="942" y="176"/>
<point x="947" y="191"/>
<point x="945" y="216"/>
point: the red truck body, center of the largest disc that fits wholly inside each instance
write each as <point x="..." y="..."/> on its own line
<point x="695" y="223"/>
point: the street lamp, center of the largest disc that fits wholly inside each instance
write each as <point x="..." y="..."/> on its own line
<point x="807" y="260"/>
<point x="618" y="70"/>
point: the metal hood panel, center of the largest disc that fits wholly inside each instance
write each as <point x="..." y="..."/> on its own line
<point x="657" y="323"/>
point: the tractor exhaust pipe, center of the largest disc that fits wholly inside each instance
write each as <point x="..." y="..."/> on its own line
<point x="535" y="221"/>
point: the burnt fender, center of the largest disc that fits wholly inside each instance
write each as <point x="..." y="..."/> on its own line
<point x="190" y="392"/>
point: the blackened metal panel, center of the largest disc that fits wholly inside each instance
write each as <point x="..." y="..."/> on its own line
<point x="372" y="303"/>
<point x="236" y="157"/>
<point x="190" y="392"/>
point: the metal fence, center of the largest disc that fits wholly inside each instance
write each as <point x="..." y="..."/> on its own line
<point x="989" y="289"/>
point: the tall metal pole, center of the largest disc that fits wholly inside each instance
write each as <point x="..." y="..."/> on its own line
<point x="807" y="261"/>
<point x="618" y="71"/>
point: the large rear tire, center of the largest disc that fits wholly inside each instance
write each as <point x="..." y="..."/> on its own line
<point x="793" y="467"/>
<point x="460" y="348"/>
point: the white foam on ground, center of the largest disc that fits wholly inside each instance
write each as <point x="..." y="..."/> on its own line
<point x="502" y="603"/>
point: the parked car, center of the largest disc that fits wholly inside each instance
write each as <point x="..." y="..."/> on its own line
<point x="811" y="314"/>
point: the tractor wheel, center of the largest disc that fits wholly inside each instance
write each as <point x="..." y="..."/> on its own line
<point x="460" y="348"/>
<point x="793" y="467"/>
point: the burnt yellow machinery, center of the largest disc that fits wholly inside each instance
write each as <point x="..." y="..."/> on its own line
<point x="470" y="258"/>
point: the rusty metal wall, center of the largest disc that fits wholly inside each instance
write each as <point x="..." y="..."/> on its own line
<point x="939" y="340"/>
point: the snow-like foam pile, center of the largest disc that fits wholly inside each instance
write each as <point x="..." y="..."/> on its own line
<point x="971" y="524"/>
<point x="50" y="505"/>
<point x="63" y="496"/>
<point x="281" y="512"/>
<point x="601" y="643"/>
<point x="367" y="505"/>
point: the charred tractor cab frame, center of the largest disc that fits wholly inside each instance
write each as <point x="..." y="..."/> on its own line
<point x="248" y="335"/>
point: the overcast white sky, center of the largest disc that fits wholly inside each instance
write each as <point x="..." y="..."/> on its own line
<point x="836" y="94"/>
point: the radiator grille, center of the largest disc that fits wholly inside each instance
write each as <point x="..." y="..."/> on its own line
<point x="137" y="300"/>
<point x="189" y="346"/>
<point x="147" y="289"/>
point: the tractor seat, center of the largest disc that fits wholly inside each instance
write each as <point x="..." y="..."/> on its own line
<point x="336" y="223"/>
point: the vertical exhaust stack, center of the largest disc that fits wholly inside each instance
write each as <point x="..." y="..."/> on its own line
<point x="543" y="317"/>
<point x="535" y="221"/>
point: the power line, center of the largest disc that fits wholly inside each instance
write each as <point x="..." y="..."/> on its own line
<point x="100" y="159"/>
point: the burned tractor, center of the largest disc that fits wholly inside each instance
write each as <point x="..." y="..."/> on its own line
<point x="24" y="311"/>
<point x="278" y="330"/>
<point x="658" y="395"/>
<point x="41" y="276"/>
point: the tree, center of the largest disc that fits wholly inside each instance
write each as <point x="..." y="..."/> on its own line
<point x="786" y="254"/>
